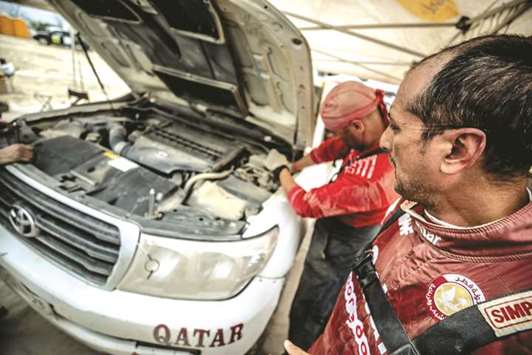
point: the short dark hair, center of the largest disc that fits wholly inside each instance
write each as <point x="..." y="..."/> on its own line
<point x="487" y="84"/>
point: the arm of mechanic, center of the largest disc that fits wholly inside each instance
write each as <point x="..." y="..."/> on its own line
<point x="16" y="153"/>
<point x="287" y="181"/>
<point x="329" y="150"/>
<point x="301" y="164"/>
<point x="346" y="195"/>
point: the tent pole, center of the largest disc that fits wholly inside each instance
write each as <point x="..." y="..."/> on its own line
<point x="367" y="62"/>
<point x="340" y="59"/>
<point x="381" y="26"/>
<point x="511" y="19"/>
<point x="358" y="35"/>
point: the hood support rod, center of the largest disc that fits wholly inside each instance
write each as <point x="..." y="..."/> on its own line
<point x="84" y="47"/>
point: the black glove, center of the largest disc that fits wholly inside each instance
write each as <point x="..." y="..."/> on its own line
<point x="277" y="172"/>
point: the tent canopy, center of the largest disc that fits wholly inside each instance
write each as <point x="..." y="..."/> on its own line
<point x="381" y="39"/>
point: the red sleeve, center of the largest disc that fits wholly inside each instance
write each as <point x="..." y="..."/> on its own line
<point x="364" y="185"/>
<point x="348" y="194"/>
<point x="329" y="150"/>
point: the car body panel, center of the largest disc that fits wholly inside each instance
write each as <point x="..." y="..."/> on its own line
<point x="243" y="63"/>
<point x="219" y="327"/>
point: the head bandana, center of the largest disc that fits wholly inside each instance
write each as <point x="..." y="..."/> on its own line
<point x="350" y="101"/>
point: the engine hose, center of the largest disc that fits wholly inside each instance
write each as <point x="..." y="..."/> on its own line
<point x="200" y="177"/>
<point x="117" y="139"/>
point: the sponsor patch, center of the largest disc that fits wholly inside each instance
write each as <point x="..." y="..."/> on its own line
<point x="353" y="321"/>
<point x="510" y="314"/>
<point x="450" y="293"/>
<point x="430" y="237"/>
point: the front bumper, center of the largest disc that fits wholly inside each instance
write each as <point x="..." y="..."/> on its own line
<point x="119" y="322"/>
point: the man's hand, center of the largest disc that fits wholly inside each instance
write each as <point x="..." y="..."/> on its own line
<point x="291" y="349"/>
<point x="16" y="153"/>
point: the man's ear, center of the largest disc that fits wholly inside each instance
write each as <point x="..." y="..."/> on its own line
<point x="465" y="147"/>
<point x="357" y="125"/>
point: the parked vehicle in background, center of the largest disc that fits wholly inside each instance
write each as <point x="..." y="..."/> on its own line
<point x="57" y="36"/>
<point x="53" y="35"/>
<point x="151" y="219"/>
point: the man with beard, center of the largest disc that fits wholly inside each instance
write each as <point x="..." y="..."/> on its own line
<point x="349" y="209"/>
<point x="450" y="272"/>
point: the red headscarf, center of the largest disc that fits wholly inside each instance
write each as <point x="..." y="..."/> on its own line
<point x="350" y="101"/>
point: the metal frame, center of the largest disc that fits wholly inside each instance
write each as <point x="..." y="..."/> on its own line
<point x="359" y="64"/>
<point x="326" y="26"/>
<point x="369" y="62"/>
<point x="502" y="16"/>
<point x="383" y="26"/>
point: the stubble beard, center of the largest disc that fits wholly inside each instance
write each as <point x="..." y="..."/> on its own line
<point x="415" y="191"/>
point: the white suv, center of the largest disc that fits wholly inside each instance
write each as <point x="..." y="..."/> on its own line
<point x="148" y="224"/>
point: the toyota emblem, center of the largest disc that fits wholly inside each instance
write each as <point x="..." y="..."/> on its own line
<point x="22" y="220"/>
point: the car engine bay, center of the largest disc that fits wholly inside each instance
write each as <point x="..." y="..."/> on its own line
<point x="152" y="165"/>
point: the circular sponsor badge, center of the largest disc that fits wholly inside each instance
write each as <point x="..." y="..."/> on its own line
<point x="450" y="293"/>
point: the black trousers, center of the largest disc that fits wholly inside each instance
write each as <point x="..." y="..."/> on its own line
<point x="328" y="262"/>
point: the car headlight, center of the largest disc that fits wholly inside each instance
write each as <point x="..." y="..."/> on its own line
<point x="188" y="269"/>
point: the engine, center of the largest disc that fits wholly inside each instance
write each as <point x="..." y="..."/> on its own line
<point x="155" y="167"/>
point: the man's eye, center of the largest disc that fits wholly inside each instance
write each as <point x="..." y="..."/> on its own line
<point x="394" y="127"/>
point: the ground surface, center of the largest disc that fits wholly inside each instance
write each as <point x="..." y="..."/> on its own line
<point x="46" y="72"/>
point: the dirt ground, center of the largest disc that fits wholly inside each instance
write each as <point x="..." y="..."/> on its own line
<point x="45" y="73"/>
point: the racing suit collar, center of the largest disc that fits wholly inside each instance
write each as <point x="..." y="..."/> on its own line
<point x="508" y="237"/>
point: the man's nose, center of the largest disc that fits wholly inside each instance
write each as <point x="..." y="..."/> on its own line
<point x="385" y="140"/>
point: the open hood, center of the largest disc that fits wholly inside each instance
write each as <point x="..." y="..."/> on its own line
<point x="238" y="57"/>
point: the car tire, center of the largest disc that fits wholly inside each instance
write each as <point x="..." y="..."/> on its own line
<point x="43" y="41"/>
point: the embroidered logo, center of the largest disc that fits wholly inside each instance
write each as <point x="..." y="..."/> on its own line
<point x="450" y="293"/>
<point x="509" y="314"/>
<point x="405" y="225"/>
<point x="429" y="236"/>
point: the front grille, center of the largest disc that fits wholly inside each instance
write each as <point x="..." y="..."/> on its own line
<point x="79" y="242"/>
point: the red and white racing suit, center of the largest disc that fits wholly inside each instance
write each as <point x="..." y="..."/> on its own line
<point x="350" y="210"/>
<point x="361" y="193"/>
<point x="429" y="271"/>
